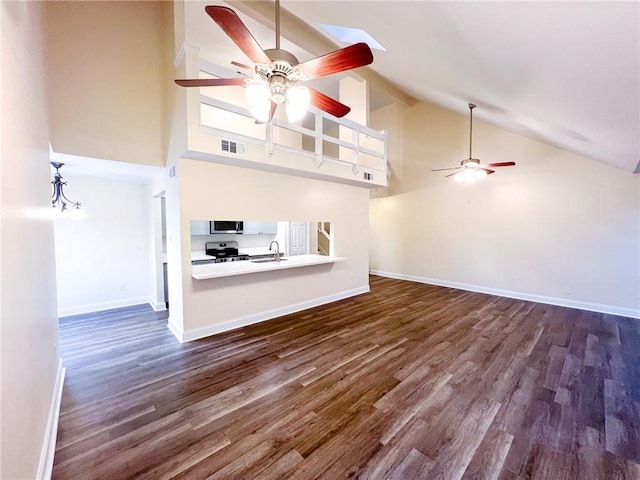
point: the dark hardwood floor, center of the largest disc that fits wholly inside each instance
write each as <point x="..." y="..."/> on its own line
<point x="408" y="382"/>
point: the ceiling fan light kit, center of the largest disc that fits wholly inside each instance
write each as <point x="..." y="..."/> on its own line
<point x="276" y="71"/>
<point x="298" y="99"/>
<point x="470" y="175"/>
<point x="470" y="168"/>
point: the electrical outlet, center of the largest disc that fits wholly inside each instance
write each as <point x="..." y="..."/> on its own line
<point x="512" y="280"/>
<point x="122" y="286"/>
<point x="245" y="299"/>
<point x="424" y="267"/>
<point x="568" y="290"/>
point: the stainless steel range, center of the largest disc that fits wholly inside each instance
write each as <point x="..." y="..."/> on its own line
<point x="224" y="252"/>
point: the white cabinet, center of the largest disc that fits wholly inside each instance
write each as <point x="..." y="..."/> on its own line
<point x="200" y="227"/>
<point x="260" y="228"/>
<point x="251" y="228"/>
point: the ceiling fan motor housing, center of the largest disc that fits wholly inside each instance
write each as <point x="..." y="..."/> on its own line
<point x="470" y="162"/>
<point x="277" y="54"/>
<point x="280" y="75"/>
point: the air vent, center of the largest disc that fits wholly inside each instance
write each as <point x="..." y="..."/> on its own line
<point x="232" y="147"/>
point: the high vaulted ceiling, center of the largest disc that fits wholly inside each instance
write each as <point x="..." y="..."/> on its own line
<point x="565" y="73"/>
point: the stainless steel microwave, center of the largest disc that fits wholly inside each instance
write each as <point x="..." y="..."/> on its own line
<point x="226" y="226"/>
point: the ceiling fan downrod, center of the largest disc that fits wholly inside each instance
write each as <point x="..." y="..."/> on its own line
<point x="471" y="107"/>
<point x="277" y="4"/>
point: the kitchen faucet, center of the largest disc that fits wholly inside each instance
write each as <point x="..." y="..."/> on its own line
<point x="277" y="256"/>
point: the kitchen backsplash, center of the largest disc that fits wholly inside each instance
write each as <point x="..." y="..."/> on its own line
<point x="198" y="241"/>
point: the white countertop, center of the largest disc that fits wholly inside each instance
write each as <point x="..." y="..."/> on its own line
<point x="200" y="255"/>
<point x="227" y="269"/>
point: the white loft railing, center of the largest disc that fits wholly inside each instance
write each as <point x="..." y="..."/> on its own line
<point x="320" y="137"/>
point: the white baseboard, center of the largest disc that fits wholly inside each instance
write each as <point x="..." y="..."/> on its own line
<point x="99" y="307"/>
<point x="45" y="466"/>
<point x="196" y="333"/>
<point x="176" y="330"/>
<point x="561" y="302"/>
<point x="157" y="306"/>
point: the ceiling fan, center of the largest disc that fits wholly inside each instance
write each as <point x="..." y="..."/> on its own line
<point x="276" y="72"/>
<point x="471" y="169"/>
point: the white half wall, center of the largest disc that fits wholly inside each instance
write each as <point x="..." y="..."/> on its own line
<point x="104" y="260"/>
<point x="557" y="226"/>
<point x="208" y="190"/>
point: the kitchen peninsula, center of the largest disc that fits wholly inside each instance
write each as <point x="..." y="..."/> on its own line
<point x="217" y="270"/>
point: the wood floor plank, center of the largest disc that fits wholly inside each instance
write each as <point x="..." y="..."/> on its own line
<point x="389" y="457"/>
<point x="409" y="381"/>
<point x="622" y="422"/>
<point x="414" y="465"/>
<point x="489" y="458"/>
<point x="454" y="456"/>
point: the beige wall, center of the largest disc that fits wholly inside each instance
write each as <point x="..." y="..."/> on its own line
<point x="557" y="226"/>
<point x="391" y="119"/>
<point x="208" y="190"/>
<point x="29" y="329"/>
<point x="107" y="78"/>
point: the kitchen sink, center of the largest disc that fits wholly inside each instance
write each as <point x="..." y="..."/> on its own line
<point x="267" y="260"/>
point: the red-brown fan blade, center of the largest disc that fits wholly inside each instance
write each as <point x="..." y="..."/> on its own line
<point x="210" y="82"/>
<point x="353" y="56"/>
<point x="500" y="164"/>
<point x="443" y="169"/>
<point x="328" y="104"/>
<point x="274" y="107"/>
<point x="489" y="172"/>
<point x="240" y="65"/>
<point x="229" y="21"/>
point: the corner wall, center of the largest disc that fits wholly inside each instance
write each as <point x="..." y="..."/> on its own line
<point x="31" y="371"/>
<point x="556" y="228"/>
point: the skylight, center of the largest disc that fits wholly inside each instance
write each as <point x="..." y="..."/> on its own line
<point x="351" y="35"/>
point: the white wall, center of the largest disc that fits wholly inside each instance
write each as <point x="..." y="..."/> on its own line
<point x="29" y="356"/>
<point x="248" y="241"/>
<point x="557" y="227"/>
<point x="208" y="190"/>
<point x="108" y="249"/>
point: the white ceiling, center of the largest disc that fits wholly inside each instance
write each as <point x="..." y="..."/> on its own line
<point x="76" y="166"/>
<point x="565" y="73"/>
